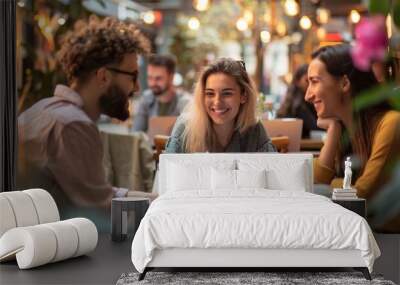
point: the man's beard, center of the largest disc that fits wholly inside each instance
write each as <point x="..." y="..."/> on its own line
<point x="114" y="103"/>
<point x="157" y="90"/>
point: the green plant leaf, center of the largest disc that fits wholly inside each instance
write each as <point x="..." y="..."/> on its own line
<point x="378" y="94"/>
<point x="379" y="6"/>
<point x="396" y="13"/>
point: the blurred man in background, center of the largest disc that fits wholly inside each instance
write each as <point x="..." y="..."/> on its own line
<point x="161" y="99"/>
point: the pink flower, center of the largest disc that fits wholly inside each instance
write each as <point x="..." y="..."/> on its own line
<point x="371" y="42"/>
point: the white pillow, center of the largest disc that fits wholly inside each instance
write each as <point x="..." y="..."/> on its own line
<point x="181" y="177"/>
<point x="280" y="180"/>
<point x="284" y="174"/>
<point x="251" y="178"/>
<point x="187" y="175"/>
<point x="223" y="179"/>
<point x="226" y="179"/>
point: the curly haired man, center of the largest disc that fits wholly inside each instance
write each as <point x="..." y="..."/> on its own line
<point x="58" y="137"/>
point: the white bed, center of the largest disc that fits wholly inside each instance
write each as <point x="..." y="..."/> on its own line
<point x="247" y="210"/>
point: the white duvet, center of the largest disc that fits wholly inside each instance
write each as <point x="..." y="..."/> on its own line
<point x="255" y="218"/>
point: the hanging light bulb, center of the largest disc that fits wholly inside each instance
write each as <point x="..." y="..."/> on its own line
<point x="291" y="8"/>
<point x="193" y="23"/>
<point x="241" y="24"/>
<point x="265" y="36"/>
<point x="305" y="23"/>
<point x="389" y="25"/>
<point x="267" y="17"/>
<point x="248" y="16"/>
<point x="296" y="37"/>
<point x="148" y="17"/>
<point x="323" y="15"/>
<point x="354" y="16"/>
<point x="201" y="5"/>
<point x="321" y="33"/>
<point x="61" y="21"/>
<point x="281" y="28"/>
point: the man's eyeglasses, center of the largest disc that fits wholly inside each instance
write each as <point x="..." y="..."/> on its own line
<point x="133" y="75"/>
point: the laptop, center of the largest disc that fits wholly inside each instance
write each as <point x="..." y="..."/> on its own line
<point x="160" y="126"/>
<point x="289" y="127"/>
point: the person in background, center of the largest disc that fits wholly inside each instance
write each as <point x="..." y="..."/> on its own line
<point x="161" y="99"/>
<point x="294" y="104"/>
<point x="222" y="117"/>
<point x="371" y="135"/>
<point x="60" y="148"/>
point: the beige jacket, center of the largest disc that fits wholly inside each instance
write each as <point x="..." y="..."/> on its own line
<point x="60" y="150"/>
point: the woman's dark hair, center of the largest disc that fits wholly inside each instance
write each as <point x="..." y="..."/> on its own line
<point x="338" y="62"/>
<point x="295" y="106"/>
<point x="294" y="95"/>
<point x="300" y="71"/>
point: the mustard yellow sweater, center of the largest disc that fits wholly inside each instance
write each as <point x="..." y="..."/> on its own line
<point x="385" y="151"/>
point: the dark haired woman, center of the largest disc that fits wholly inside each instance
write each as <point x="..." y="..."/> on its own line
<point x="294" y="105"/>
<point x="372" y="135"/>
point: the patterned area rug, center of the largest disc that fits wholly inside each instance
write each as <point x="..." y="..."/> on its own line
<point x="229" y="278"/>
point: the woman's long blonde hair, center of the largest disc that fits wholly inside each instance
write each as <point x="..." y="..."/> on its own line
<point x="199" y="132"/>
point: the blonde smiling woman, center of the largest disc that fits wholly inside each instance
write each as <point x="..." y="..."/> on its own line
<point x="222" y="116"/>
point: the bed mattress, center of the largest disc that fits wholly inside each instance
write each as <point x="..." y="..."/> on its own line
<point x="250" y="219"/>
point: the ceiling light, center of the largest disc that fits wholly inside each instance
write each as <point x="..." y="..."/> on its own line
<point x="201" y="5"/>
<point x="61" y="21"/>
<point x="267" y="17"/>
<point x="291" y="8"/>
<point x="297" y="37"/>
<point x="265" y="36"/>
<point x="323" y="15"/>
<point x="354" y="16"/>
<point x="305" y="23"/>
<point x="148" y="17"/>
<point x="193" y="23"/>
<point x="281" y="28"/>
<point x="389" y="25"/>
<point x="241" y="24"/>
<point x="321" y="33"/>
<point x="248" y="16"/>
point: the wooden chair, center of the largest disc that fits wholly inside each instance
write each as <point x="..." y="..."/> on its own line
<point x="281" y="143"/>
<point x="160" y="142"/>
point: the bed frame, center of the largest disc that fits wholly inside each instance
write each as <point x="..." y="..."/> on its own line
<point x="246" y="258"/>
<point x="242" y="259"/>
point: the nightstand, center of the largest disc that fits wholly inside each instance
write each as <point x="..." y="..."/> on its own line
<point x="119" y="215"/>
<point x="356" y="205"/>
